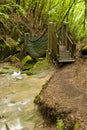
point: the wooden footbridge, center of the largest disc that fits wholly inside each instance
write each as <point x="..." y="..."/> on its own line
<point x="61" y="46"/>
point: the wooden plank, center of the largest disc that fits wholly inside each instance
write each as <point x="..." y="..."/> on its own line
<point x="55" y="45"/>
<point x="66" y="60"/>
<point x="64" y="55"/>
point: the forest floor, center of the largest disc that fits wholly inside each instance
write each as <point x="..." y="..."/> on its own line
<point x="66" y="95"/>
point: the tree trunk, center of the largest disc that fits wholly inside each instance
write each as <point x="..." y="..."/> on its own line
<point x="18" y="2"/>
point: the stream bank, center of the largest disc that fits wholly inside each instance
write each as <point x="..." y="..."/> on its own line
<point x="64" y="99"/>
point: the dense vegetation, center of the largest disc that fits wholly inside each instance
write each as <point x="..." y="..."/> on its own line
<point x="73" y="11"/>
<point x="20" y="16"/>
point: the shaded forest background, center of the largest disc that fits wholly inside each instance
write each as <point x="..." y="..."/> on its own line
<point x="19" y="16"/>
<point x="72" y="11"/>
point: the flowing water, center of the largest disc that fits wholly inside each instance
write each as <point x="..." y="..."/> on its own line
<point x="17" y="92"/>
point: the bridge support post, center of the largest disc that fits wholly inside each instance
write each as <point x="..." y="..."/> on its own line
<point x="53" y="48"/>
<point x="65" y="28"/>
<point x="55" y="43"/>
<point x="27" y="36"/>
<point x="50" y="35"/>
<point x="50" y="42"/>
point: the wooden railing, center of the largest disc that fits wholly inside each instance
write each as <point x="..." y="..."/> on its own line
<point x="71" y="46"/>
<point x="66" y="40"/>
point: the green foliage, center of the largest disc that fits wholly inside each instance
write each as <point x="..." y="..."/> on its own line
<point x="12" y="27"/>
<point x="3" y="15"/>
<point x="14" y="59"/>
<point x="76" y="19"/>
<point x="72" y="11"/>
<point x="18" y="9"/>
<point x="4" y="49"/>
<point x="2" y="72"/>
<point x="36" y="99"/>
<point x="60" y="124"/>
<point x="12" y="7"/>
<point x="76" y="126"/>
<point x="27" y="63"/>
<point x="38" y="67"/>
<point x="27" y="60"/>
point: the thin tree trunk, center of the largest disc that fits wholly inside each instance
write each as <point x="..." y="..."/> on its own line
<point x="85" y="13"/>
<point x="18" y="2"/>
<point x="24" y="3"/>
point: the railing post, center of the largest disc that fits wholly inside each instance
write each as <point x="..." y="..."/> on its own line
<point x="73" y="50"/>
<point x="50" y="36"/>
<point x="26" y="37"/>
<point x="64" y="32"/>
<point x="55" y="44"/>
<point x="50" y="42"/>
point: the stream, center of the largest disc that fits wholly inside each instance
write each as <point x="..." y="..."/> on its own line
<point x="17" y="93"/>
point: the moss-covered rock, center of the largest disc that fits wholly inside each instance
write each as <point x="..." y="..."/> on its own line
<point x="39" y="66"/>
<point x="27" y="63"/>
<point x="2" y="72"/>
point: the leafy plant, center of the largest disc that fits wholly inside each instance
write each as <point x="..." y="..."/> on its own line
<point x="76" y="127"/>
<point x="12" y="7"/>
<point x="3" y="15"/>
<point x="60" y="124"/>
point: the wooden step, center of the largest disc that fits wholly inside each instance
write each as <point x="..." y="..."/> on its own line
<point x="66" y="60"/>
<point x="65" y="56"/>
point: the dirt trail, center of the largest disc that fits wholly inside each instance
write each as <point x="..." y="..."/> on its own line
<point x="66" y="92"/>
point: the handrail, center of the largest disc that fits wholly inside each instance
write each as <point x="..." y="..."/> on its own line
<point x="71" y="45"/>
<point x="60" y="42"/>
<point x="69" y="39"/>
<point x="56" y="35"/>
